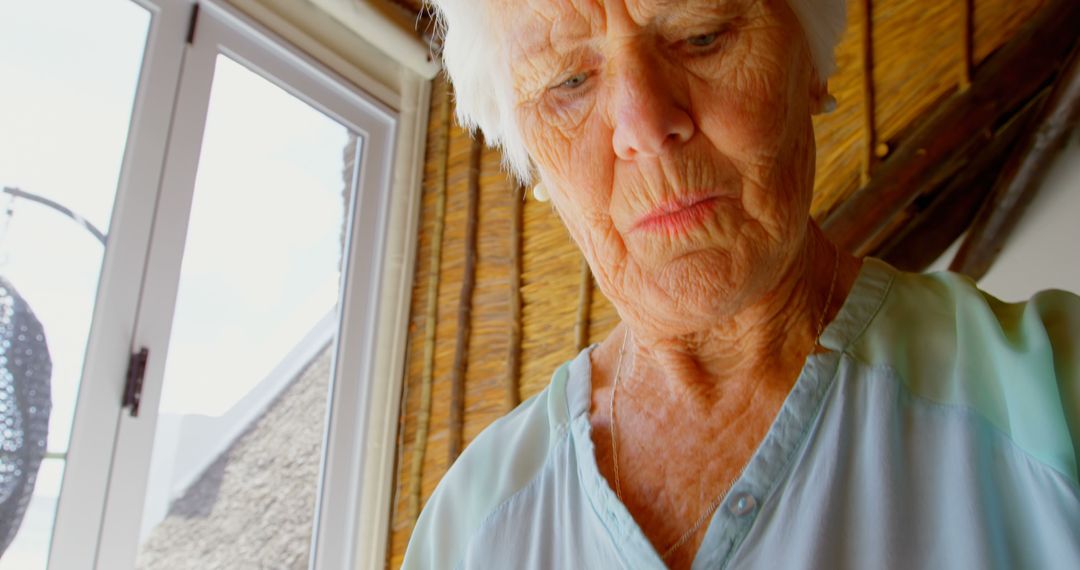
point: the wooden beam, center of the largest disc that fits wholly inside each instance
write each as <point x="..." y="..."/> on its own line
<point x="431" y="312"/>
<point x="1022" y="175"/>
<point x="513" y="360"/>
<point x="464" y="316"/>
<point x="869" y="106"/>
<point x="936" y="150"/>
<point x="967" y="43"/>
<point x="942" y="216"/>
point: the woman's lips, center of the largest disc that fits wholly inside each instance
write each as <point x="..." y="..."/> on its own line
<point x="677" y="217"/>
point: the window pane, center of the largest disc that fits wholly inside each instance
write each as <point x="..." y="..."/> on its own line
<point x="235" y="467"/>
<point x="68" y="70"/>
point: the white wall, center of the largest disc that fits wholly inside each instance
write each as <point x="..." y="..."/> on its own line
<point x="1044" y="249"/>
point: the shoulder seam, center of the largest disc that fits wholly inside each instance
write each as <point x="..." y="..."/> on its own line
<point x="873" y="316"/>
<point x="503" y="505"/>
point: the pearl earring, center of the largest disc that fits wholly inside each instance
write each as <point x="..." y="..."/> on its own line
<point x="540" y="192"/>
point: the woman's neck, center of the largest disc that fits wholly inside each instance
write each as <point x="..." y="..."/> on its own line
<point x="766" y="342"/>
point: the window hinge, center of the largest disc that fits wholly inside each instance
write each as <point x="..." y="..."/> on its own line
<point x="133" y="388"/>
<point x="192" y="23"/>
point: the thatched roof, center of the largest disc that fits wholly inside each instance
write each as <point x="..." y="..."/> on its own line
<point x="254" y="506"/>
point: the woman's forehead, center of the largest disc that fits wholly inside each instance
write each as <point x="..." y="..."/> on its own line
<point x="550" y="10"/>
<point x="535" y="26"/>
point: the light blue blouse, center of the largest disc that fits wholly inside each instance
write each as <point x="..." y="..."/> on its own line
<point x="940" y="430"/>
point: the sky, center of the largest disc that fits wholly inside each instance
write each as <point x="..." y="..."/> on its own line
<point x="261" y="258"/>
<point x="63" y="123"/>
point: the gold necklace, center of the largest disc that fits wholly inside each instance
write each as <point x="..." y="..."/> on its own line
<point x="715" y="504"/>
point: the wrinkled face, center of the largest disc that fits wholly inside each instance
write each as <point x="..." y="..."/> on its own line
<point x="674" y="137"/>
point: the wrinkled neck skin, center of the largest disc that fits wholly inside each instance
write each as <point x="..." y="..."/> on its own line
<point x="762" y="346"/>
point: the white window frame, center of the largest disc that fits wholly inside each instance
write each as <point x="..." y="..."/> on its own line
<point x="101" y="503"/>
<point x="89" y="458"/>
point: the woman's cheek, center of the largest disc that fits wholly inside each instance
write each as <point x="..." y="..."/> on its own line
<point x="580" y="158"/>
<point x="567" y="113"/>
<point x="585" y="184"/>
<point x="553" y="132"/>
<point x="591" y="149"/>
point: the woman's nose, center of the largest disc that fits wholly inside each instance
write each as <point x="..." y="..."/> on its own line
<point x="648" y="118"/>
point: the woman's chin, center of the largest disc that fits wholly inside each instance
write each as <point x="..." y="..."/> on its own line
<point x="660" y="251"/>
<point x="708" y="282"/>
<point x="701" y="253"/>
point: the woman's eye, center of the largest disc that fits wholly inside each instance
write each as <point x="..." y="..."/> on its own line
<point x="574" y="82"/>
<point x="703" y="40"/>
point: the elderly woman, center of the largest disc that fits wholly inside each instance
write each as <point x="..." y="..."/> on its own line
<point x="768" y="401"/>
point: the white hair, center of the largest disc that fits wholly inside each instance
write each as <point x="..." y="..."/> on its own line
<point x="484" y="95"/>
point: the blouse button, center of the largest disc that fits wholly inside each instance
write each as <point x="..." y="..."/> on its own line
<point x="742" y="504"/>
